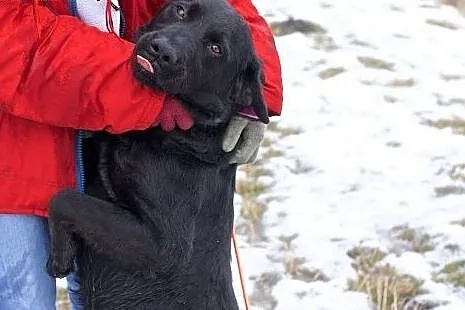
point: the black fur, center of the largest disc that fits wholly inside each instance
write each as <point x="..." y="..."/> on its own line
<point x="153" y="230"/>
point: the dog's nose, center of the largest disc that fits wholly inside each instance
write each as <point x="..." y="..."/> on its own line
<point x="164" y="51"/>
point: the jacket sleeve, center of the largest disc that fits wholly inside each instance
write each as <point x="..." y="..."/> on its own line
<point x="57" y="70"/>
<point x="266" y="51"/>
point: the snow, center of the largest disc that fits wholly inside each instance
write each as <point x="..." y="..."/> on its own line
<point x="369" y="165"/>
<point x="373" y="164"/>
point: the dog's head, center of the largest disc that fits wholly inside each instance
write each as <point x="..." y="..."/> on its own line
<point x="201" y="51"/>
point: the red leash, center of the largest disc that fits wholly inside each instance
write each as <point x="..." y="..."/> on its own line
<point x="239" y="266"/>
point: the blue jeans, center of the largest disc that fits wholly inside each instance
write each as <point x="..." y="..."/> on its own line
<point x="24" y="250"/>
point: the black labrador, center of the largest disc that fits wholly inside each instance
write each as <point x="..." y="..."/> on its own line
<point x="153" y="229"/>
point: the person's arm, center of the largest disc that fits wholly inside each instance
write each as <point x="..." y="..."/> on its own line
<point x="266" y="51"/>
<point x="68" y="74"/>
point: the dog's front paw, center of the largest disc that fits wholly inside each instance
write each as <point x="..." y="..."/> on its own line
<point x="62" y="254"/>
<point x="59" y="267"/>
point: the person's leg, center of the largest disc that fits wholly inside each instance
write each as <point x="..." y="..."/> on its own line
<point x="74" y="292"/>
<point x="24" y="250"/>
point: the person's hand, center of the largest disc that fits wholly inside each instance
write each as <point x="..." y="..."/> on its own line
<point x="246" y="125"/>
<point x="173" y="115"/>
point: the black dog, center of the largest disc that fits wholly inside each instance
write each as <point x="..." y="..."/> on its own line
<point x="154" y="229"/>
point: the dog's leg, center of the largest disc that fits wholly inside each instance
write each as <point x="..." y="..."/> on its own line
<point x="63" y="249"/>
<point x="119" y="234"/>
<point x="103" y="167"/>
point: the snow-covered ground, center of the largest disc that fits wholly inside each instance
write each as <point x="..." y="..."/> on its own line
<point x="363" y="145"/>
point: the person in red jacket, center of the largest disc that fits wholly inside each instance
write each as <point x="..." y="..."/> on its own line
<point x="62" y="72"/>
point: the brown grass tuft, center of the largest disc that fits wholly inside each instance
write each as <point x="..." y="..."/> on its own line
<point x="441" y="23"/>
<point x="63" y="302"/>
<point x="386" y="288"/>
<point x="330" y="73"/>
<point x="452" y="273"/>
<point x="375" y="63"/>
<point x="413" y="240"/>
<point x="456" y="124"/>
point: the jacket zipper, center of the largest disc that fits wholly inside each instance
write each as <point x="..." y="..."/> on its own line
<point x="80" y="173"/>
<point x="81" y="135"/>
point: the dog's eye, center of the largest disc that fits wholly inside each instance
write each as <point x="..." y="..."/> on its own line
<point x="215" y="49"/>
<point x="181" y="12"/>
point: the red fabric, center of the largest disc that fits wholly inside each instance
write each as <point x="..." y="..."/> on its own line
<point x="58" y="75"/>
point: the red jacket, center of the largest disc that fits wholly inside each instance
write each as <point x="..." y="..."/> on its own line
<point x="58" y="75"/>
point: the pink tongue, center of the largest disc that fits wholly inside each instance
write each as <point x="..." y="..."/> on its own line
<point x="145" y="63"/>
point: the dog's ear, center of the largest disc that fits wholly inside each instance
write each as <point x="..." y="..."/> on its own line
<point x="248" y="90"/>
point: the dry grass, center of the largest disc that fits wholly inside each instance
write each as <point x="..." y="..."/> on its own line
<point x="361" y="43"/>
<point x="413" y="240"/>
<point x="295" y="25"/>
<point x="461" y="6"/>
<point x="442" y="191"/>
<point x="266" y="142"/>
<point x="63" y="302"/>
<point x="324" y="43"/>
<point x="272" y="198"/>
<point x="331" y="72"/>
<point x="386" y="288"/>
<point x="396" y="8"/>
<point x="456" y="124"/>
<point x="452" y="273"/>
<point x="441" y="23"/>
<point x="289" y="131"/>
<point x="272" y="126"/>
<point x="293" y="265"/>
<point x="250" y="188"/>
<point x="452" y="247"/>
<point x="459" y="222"/>
<point x="252" y="211"/>
<point x="314" y="64"/>
<point x="272" y="153"/>
<point x="262" y="296"/>
<point x="451" y="101"/>
<point x="255" y="171"/>
<point x="401" y="83"/>
<point x="390" y="99"/>
<point x="452" y="77"/>
<point x="401" y="36"/>
<point x="287" y="242"/>
<point x="375" y="63"/>
<point x="294" y="268"/>
<point x="457" y="172"/>
<point x="365" y="258"/>
<point x="448" y="2"/>
<point x="394" y="144"/>
<point x="325" y="5"/>
<point x="282" y="131"/>
<point x="311" y="275"/>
